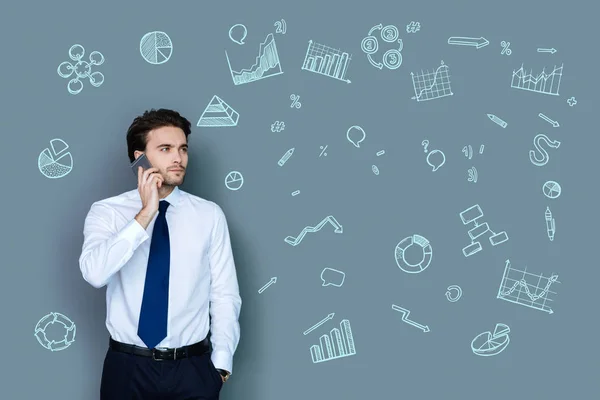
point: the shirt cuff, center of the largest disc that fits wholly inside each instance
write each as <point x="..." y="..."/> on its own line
<point x="134" y="233"/>
<point x="223" y="360"/>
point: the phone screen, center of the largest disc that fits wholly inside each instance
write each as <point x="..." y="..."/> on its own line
<point x="141" y="161"/>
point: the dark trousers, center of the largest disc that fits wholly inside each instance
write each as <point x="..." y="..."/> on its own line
<point x="131" y="377"/>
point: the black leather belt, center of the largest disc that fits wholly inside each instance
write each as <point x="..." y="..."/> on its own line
<point x="160" y="354"/>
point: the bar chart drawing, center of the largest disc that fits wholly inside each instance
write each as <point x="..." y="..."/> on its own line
<point x="267" y="64"/>
<point x="542" y="83"/>
<point x="337" y="344"/>
<point x="516" y="287"/>
<point x="327" y="61"/>
<point x="432" y="85"/>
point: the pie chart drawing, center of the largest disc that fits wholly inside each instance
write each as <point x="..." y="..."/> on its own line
<point x="53" y="163"/>
<point x="487" y="344"/>
<point x="426" y="254"/>
<point x="156" y="47"/>
<point x="552" y="189"/>
<point x="234" y="180"/>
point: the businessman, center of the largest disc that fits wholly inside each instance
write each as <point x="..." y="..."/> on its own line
<point x="165" y="258"/>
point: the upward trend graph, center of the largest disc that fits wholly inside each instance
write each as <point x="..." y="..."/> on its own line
<point x="267" y="64"/>
<point x="294" y="241"/>
<point x="327" y="61"/>
<point x="432" y="85"/>
<point x="515" y="289"/>
<point x="542" y="83"/>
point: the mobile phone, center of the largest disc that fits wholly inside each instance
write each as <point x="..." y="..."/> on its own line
<point x="141" y="161"/>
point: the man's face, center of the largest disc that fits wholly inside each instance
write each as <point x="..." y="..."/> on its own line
<point x="167" y="150"/>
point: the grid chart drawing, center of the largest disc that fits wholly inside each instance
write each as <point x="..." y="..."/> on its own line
<point x="339" y="343"/>
<point x="267" y="64"/>
<point x="326" y="60"/>
<point x="542" y="83"/>
<point x="432" y="85"/>
<point x="517" y="287"/>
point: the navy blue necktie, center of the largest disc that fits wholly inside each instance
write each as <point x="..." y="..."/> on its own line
<point x="152" y="327"/>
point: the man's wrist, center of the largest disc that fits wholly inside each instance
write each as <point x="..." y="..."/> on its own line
<point x="224" y="374"/>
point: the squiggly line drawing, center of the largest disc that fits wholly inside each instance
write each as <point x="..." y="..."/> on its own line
<point x="524" y="285"/>
<point x="294" y="241"/>
<point x="405" y="314"/>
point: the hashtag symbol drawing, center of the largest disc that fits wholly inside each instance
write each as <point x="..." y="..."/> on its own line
<point x="413" y="27"/>
<point x="277" y="126"/>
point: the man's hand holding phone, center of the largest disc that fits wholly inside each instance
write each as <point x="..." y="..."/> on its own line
<point x="149" y="181"/>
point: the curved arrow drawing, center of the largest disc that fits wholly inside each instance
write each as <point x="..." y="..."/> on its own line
<point x="373" y="63"/>
<point x="405" y="314"/>
<point x="294" y="241"/>
<point x="376" y="27"/>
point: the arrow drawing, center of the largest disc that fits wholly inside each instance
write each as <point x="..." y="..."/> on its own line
<point x="542" y="50"/>
<point x="294" y="241"/>
<point x="468" y="41"/>
<point x="272" y="281"/>
<point x="553" y="123"/>
<point x="405" y="314"/>
<point x="318" y="324"/>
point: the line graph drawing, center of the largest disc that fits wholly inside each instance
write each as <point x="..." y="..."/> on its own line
<point x="327" y="61"/>
<point x="515" y="288"/>
<point x="432" y="85"/>
<point x="542" y="83"/>
<point x="267" y="64"/>
<point x="294" y="241"/>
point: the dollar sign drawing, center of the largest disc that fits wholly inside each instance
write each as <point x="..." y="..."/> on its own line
<point x="536" y="143"/>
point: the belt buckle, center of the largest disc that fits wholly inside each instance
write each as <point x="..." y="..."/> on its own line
<point x="154" y="352"/>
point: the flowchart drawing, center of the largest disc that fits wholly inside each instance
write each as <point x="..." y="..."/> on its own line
<point x="472" y="215"/>
<point x="294" y="241"/>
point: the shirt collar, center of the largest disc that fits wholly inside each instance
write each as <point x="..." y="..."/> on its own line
<point x="173" y="197"/>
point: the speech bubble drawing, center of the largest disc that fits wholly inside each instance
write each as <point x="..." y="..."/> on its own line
<point x="331" y="276"/>
<point x="437" y="161"/>
<point x="236" y="31"/>
<point x="355" y="135"/>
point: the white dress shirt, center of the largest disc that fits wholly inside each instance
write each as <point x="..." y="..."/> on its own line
<point x="202" y="271"/>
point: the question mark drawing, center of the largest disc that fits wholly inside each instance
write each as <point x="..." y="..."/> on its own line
<point x="426" y="144"/>
<point x="536" y="143"/>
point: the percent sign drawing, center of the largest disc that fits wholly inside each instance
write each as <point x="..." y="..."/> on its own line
<point x="323" y="151"/>
<point x="295" y="101"/>
<point x="505" y="48"/>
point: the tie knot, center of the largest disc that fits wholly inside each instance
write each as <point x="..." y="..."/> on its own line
<point x="162" y="206"/>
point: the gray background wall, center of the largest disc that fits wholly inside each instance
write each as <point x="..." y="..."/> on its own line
<point x="550" y="356"/>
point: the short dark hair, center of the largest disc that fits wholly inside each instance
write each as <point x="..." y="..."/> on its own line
<point x="137" y="134"/>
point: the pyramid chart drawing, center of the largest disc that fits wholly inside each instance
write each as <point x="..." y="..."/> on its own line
<point x="218" y="113"/>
